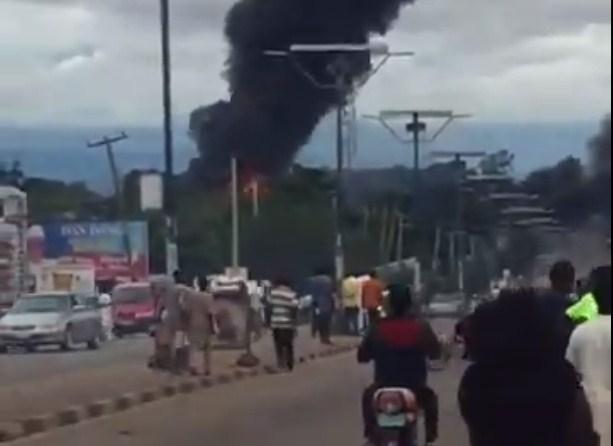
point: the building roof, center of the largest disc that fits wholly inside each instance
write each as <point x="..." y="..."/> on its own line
<point x="7" y="192"/>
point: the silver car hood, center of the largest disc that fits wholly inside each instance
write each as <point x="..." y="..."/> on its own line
<point x="36" y="319"/>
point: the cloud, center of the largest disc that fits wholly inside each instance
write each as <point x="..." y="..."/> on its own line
<point x="502" y="60"/>
<point x="75" y="58"/>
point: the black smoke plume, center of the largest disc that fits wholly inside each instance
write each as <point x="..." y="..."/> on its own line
<point x="600" y="149"/>
<point x="274" y="108"/>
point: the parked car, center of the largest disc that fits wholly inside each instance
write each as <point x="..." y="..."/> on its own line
<point x="62" y="319"/>
<point x="133" y="309"/>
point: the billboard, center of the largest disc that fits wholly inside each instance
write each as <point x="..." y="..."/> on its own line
<point x="101" y="245"/>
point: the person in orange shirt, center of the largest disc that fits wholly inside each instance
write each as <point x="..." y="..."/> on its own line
<point x="372" y="297"/>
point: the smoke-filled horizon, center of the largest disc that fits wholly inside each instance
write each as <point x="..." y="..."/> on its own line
<point x="274" y="108"/>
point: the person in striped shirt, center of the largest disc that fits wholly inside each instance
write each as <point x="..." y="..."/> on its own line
<point x="282" y="308"/>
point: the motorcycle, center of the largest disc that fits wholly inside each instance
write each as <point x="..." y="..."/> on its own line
<point x="397" y="414"/>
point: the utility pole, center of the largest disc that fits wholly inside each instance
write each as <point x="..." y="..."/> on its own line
<point x="400" y="240"/>
<point x="416" y="127"/>
<point x="255" y="198"/>
<point x="107" y="143"/>
<point x="342" y="87"/>
<point x="340" y="183"/>
<point x="169" y="202"/>
<point x="235" y="216"/>
<point x="458" y="235"/>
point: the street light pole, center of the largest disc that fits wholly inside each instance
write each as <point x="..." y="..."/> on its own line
<point x="169" y="205"/>
<point x="416" y="151"/>
<point x="340" y="183"/>
<point x="341" y="87"/>
<point x="235" y="216"/>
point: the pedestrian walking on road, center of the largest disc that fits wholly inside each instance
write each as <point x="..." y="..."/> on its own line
<point x="323" y="291"/>
<point x="352" y="295"/>
<point x="519" y="390"/>
<point x="590" y="352"/>
<point x="373" y="291"/>
<point x="105" y="302"/>
<point x="282" y="308"/>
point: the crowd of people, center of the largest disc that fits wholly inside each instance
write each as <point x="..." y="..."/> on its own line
<point x="189" y="316"/>
<point x="539" y="370"/>
<point x="362" y="300"/>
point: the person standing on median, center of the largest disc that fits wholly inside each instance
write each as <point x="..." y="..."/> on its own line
<point x="282" y="316"/>
<point x="373" y="291"/>
<point x="199" y="308"/>
<point x="323" y="291"/>
<point x="168" y="315"/>
<point x="352" y="295"/>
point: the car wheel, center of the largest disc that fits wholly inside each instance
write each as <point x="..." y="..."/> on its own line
<point x="3" y="349"/>
<point x="68" y="343"/>
<point x="30" y="348"/>
<point x="94" y="344"/>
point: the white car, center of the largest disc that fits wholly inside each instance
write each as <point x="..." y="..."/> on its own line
<point x="63" y="319"/>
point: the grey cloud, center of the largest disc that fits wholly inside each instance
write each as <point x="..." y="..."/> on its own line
<point x="86" y="51"/>
<point x="467" y="52"/>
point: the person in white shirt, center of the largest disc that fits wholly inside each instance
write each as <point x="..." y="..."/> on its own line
<point x="105" y="301"/>
<point x="283" y="305"/>
<point x="589" y="351"/>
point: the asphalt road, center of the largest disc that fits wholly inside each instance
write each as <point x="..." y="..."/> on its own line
<point x="317" y="405"/>
<point x="17" y="367"/>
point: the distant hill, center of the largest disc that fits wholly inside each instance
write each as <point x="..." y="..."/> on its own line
<point x="61" y="153"/>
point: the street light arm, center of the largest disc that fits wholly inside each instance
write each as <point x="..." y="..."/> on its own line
<point x="442" y="128"/>
<point x="388" y="127"/>
<point x="309" y="76"/>
<point x="373" y="72"/>
<point x="393" y="131"/>
<point x="446" y="124"/>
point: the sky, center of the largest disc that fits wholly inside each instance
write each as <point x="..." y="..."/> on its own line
<point x="97" y="62"/>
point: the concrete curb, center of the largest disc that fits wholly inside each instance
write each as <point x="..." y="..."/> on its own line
<point x="78" y="414"/>
<point x="10" y="432"/>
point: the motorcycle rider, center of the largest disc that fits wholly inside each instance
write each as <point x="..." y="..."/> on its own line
<point x="400" y="346"/>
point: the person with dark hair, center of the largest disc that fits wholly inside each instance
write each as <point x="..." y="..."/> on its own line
<point x="179" y="278"/>
<point x="590" y="352"/>
<point x="519" y="390"/>
<point x="372" y="296"/>
<point x="562" y="277"/>
<point x="282" y="316"/>
<point x="555" y="302"/>
<point x="351" y="304"/>
<point x="400" y="346"/>
<point x="323" y="291"/>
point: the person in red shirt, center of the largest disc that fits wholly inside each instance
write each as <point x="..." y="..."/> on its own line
<point x="372" y="297"/>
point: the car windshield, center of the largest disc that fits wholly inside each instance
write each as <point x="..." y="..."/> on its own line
<point x="41" y="304"/>
<point x="132" y="295"/>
